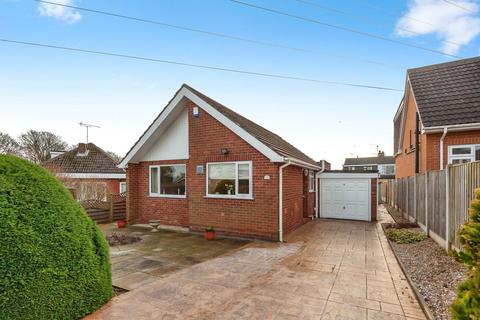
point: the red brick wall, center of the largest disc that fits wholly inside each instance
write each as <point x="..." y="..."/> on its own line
<point x="293" y="185"/>
<point x="170" y="211"/>
<point x="133" y="171"/>
<point x="257" y="217"/>
<point x="374" y="198"/>
<point x="452" y="138"/>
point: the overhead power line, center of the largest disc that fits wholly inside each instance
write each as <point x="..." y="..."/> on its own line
<point x="225" y="36"/>
<point x="198" y="66"/>
<point x="362" y="18"/>
<point x="338" y="27"/>
<point x="458" y="6"/>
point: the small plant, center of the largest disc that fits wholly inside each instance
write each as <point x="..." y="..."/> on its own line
<point x="467" y="304"/>
<point x="405" y="235"/>
<point x="210" y="228"/>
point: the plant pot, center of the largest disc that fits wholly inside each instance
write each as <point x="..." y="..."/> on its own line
<point x="121" y="224"/>
<point x="209" y="235"/>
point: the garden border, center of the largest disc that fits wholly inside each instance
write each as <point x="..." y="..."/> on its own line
<point x="419" y="297"/>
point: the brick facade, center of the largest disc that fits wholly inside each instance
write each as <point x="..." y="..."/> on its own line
<point x="257" y="217"/>
<point x="429" y="152"/>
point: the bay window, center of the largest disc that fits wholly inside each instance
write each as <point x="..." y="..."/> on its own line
<point x="229" y="179"/>
<point x="167" y="180"/>
<point x="463" y="153"/>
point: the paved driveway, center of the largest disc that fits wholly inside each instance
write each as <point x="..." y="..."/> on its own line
<point x="328" y="270"/>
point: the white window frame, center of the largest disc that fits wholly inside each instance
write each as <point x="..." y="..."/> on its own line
<point x="248" y="196"/>
<point x="470" y="156"/>
<point x="311" y="181"/>
<point x="159" y="194"/>
<point x="122" y="183"/>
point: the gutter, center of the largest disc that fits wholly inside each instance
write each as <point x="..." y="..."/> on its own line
<point x="445" y="130"/>
<point x="280" y="200"/>
<point x="454" y="127"/>
<point x="301" y="163"/>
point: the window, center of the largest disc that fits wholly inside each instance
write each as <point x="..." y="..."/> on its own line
<point x="311" y="181"/>
<point x="386" y="169"/>
<point x="229" y="179"/>
<point x="123" y="187"/>
<point x="463" y="153"/>
<point x="167" y="181"/>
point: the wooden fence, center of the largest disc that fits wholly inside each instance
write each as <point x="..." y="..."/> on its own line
<point x="107" y="211"/>
<point x="438" y="200"/>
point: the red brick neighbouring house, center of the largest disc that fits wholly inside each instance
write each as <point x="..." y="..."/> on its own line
<point x="438" y="120"/>
<point x="201" y="164"/>
<point x="88" y="172"/>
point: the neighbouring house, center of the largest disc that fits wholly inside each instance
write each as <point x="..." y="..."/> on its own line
<point x="201" y="164"/>
<point x="88" y="172"/>
<point x="325" y="165"/>
<point x="385" y="165"/>
<point x="438" y="120"/>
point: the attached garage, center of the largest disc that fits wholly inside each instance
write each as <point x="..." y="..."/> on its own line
<point x="351" y="196"/>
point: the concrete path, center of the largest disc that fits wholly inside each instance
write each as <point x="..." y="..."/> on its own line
<point x="329" y="269"/>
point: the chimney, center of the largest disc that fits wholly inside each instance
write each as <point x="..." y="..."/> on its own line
<point x="381" y="153"/>
<point x="82" y="149"/>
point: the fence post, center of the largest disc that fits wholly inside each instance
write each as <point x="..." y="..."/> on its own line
<point x="447" y="207"/>
<point x="426" y="201"/>
<point x="110" y="212"/>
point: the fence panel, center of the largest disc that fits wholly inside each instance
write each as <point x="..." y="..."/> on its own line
<point x="411" y="198"/>
<point x="436" y="208"/>
<point x="420" y="199"/>
<point x="113" y="209"/>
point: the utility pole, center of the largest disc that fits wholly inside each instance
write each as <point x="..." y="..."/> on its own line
<point x="87" y="126"/>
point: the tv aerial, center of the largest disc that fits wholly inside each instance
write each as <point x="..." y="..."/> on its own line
<point x="87" y="126"/>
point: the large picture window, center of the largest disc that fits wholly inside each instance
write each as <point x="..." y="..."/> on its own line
<point x="463" y="153"/>
<point x="229" y="179"/>
<point x="167" y="180"/>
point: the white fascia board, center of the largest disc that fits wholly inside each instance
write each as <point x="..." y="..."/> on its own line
<point x="302" y="164"/>
<point x="452" y="128"/>
<point x="93" y="175"/>
<point x="163" y="115"/>
<point x="254" y="142"/>
<point x="345" y="175"/>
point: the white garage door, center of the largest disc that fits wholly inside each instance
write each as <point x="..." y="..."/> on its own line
<point x="345" y="199"/>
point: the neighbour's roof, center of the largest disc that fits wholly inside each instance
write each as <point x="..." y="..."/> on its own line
<point x="447" y="93"/>
<point x="268" y="138"/>
<point x="85" y="158"/>
<point x="369" y="160"/>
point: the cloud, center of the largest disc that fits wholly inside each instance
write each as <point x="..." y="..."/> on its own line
<point x="455" y="24"/>
<point x="65" y="14"/>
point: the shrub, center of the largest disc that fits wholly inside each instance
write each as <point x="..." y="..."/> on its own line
<point x="405" y="235"/>
<point x="54" y="261"/>
<point x="467" y="304"/>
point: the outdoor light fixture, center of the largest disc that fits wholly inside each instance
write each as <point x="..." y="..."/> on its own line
<point x="225" y="151"/>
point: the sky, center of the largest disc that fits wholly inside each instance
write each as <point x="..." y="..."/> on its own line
<point x="365" y="42"/>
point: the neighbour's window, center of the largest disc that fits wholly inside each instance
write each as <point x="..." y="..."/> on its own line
<point x="229" y="179"/>
<point x="463" y="153"/>
<point x="123" y="187"/>
<point x="167" y="180"/>
<point x="311" y="181"/>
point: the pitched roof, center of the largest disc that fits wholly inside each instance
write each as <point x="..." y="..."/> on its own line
<point x="270" y="139"/>
<point x="77" y="160"/>
<point x="369" y="160"/>
<point x="447" y="93"/>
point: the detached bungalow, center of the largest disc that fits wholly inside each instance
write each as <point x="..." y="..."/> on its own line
<point x="201" y="164"/>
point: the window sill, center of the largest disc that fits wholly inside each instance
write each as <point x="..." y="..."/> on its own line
<point x="311" y="191"/>
<point x="228" y="197"/>
<point x="172" y="196"/>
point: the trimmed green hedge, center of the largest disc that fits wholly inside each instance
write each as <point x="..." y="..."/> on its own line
<point x="54" y="261"/>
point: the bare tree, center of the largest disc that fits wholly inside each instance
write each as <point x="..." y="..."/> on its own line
<point x="114" y="156"/>
<point x="36" y="145"/>
<point x="8" y="145"/>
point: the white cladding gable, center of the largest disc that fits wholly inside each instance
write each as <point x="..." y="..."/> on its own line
<point x="173" y="142"/>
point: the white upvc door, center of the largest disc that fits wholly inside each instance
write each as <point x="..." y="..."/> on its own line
<point x="345" y="199"/>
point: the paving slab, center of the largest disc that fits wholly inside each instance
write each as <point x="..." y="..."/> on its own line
<point x="327" y="269"/>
